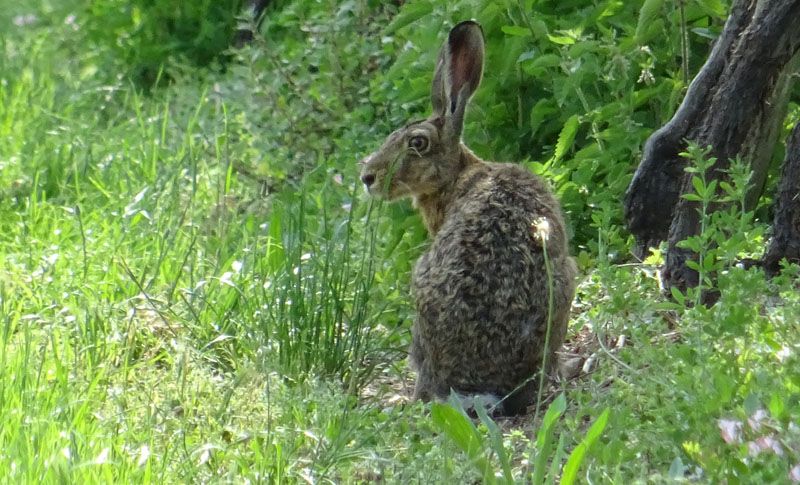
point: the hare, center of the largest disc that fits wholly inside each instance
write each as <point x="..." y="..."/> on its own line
<point x="482" y="290"/>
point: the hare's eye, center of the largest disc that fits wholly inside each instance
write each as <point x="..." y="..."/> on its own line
<point x="418" y="143"/>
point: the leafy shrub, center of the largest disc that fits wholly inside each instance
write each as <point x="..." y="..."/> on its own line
<point x="140" y="37"/>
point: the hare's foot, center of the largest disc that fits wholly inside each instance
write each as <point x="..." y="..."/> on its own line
<point x="423" y="389"/>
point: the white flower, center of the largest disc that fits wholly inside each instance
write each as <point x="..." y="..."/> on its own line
<point x="540" y="229"/>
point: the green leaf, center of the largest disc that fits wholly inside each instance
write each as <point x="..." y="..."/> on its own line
<point x="708" y="264"/>
<point x="751" y="404"/>
<point x="652" y="33"/>
<point x="274" y="246"/>
<point x="463" y="433"/>
<point x="544" y="439"/>
<point x="495" y="440"/>
<point x="561" y="39"/>
<point x="677" y="295"/>
<point x="556" y="460"/>
<point x="676" y="470"/>
<point x="597" y="429"/>
<point x="585" y="260"/>
<point x="704" y="32"/>
<point x="714" y="8"/>
<point x="542" y="109"/>
<point x="457" y="427"/>
<point x="712" y="188"/>
<point x="693" y="265"/>
<point x="408" y="14"/>
<point x="650" y="10"/>
<point x="566" y="137"/>
<point x="776" y="406"/>
<point x="554" y="411"/>
<point x="579" y="453"/>
<point x="699" y="186"/>
<point x="545" y="61"/>
<point x="516" y="30"/>
<point x="573" y="464"/>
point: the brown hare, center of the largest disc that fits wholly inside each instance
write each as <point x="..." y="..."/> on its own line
<point x="482" y="292"/>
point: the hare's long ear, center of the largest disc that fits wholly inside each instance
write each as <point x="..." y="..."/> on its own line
<point x="457" y="75"/>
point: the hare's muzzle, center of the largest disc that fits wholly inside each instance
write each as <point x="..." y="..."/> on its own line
<point x="367" y="174"/>
<point x="368" y="180"/>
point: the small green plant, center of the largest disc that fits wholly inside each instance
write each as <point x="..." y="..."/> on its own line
<point x="482" y="448"/>
<point x="726" y="231"/>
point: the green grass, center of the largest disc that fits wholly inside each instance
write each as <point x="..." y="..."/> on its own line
<point x="193" y="288"/>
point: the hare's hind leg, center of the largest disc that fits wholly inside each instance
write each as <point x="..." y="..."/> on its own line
<point x="427" y="386"/>
<point x="422" y="391"/>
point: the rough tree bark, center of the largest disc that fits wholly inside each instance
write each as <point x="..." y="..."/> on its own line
<point x="735" y="105"/>
<point x="785" y="241"/>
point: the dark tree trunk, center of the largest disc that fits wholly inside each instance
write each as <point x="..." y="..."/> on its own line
<point x="785" y="241"/>
<point x="735" y="105"/>
<point x="656" y="186"/>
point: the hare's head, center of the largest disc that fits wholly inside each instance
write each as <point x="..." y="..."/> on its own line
<point x="424" y="156"/>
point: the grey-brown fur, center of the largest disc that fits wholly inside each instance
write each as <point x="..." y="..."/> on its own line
<point x="481" y="289"/>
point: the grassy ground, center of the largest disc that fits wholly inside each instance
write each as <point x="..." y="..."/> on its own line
<point x="193" y="288"/>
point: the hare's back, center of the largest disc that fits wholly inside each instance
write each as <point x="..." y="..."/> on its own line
<point x="485" y="265"/>
<point x="505" y="201"/>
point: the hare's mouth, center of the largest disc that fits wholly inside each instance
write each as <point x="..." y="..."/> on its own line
<point x="389" y="192"/>
<point x="375" y="184"/>
<point x="375" y="192"/>
<point x="375" y="188"/>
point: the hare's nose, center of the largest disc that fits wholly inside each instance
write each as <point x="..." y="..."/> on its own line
<point x="368" y="179"/>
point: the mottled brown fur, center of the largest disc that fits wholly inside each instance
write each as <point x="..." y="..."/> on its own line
<point x="481" y="289"/>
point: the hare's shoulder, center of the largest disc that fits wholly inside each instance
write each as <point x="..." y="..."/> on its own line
<point x="497" y="206"/>
<point x="505" y="190"/>
<point x="512" y="176"/>
<point x="494" y="206"/>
